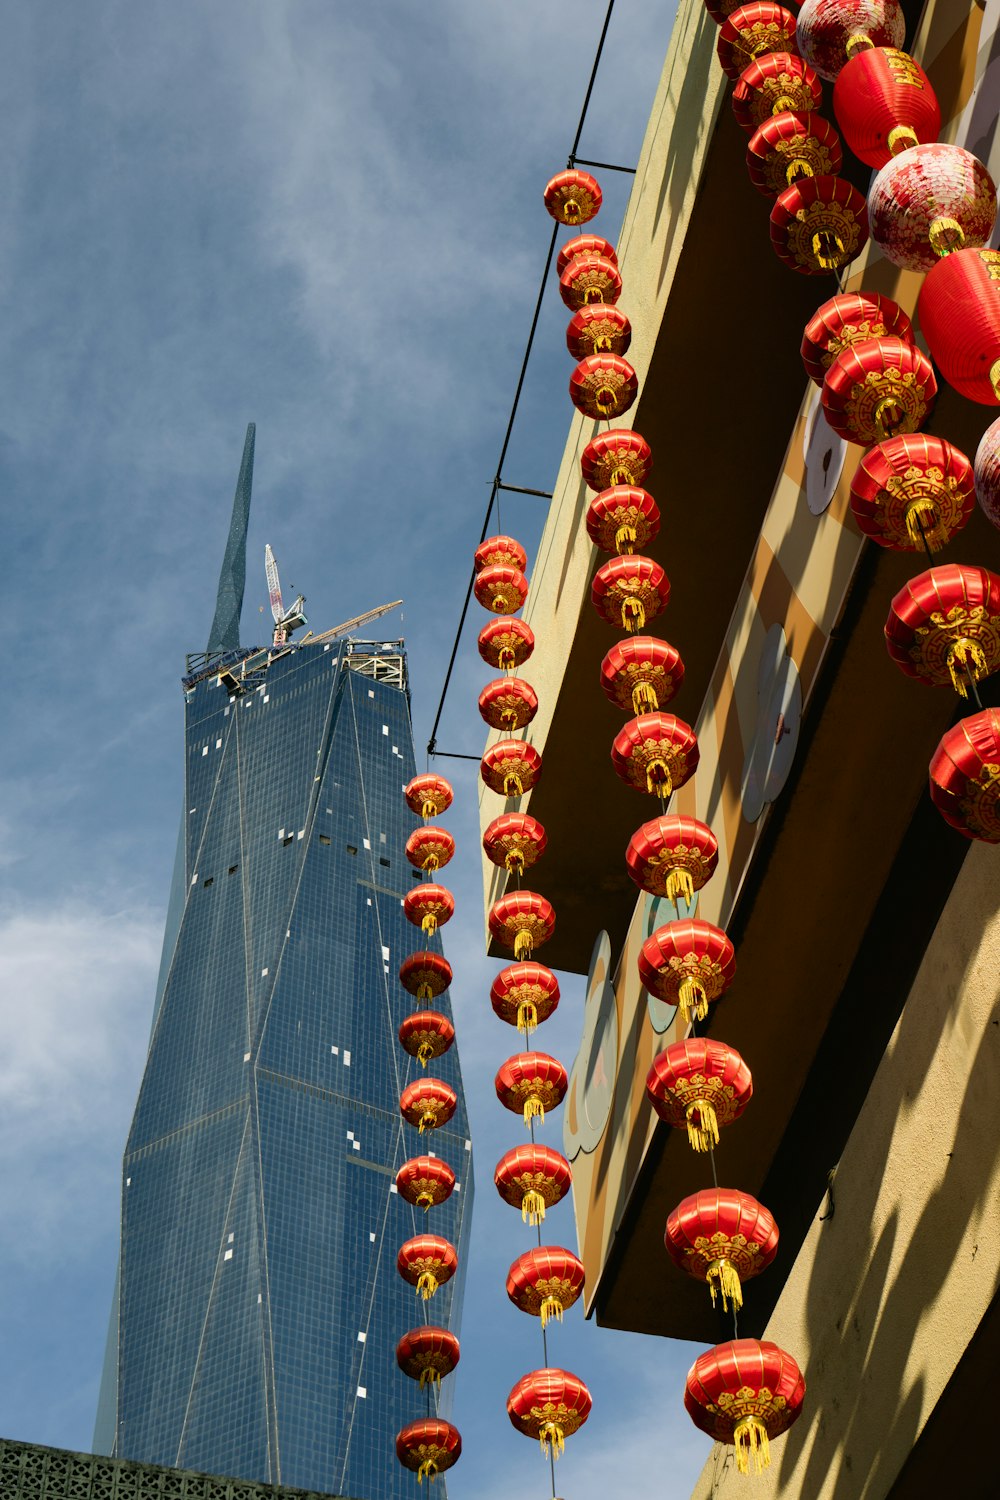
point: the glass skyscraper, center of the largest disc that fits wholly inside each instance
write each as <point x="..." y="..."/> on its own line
<point x="258" y="1303"/>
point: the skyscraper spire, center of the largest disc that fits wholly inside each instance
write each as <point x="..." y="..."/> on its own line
<point x="225" y="632"/>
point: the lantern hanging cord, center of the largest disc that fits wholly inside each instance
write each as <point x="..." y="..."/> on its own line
<point x="498" y="484"/>
<point x="545" y="1339"/>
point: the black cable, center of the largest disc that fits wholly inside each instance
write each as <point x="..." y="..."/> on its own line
<point x="602" y="166"/>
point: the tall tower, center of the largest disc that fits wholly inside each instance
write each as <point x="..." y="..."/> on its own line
<point x="259" y="1304"/>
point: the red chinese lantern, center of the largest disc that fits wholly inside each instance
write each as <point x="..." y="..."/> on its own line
<point x="603" y="386"/>
<point x="929" y="201"/>
<point x="724" y="1237"/>
<point x="428" y="1103"/>
<point x="506" y="643"/>
<point x="598" y="328"/>
<point x="987" y="473"/>
<point x="549" y="1405"/>
<point x="672" y="857"/>
<point x="789" y="146"/>
<point x="720" y="9"/>
<point x="427" y="1353"/>
<point x="745" y="1393"/>
<point x="641" y="674"/>
<point x="585" y="244"/>
<point x="622" y="518"/>
<point x="750" y="32"/>
<point x="699" y="1084"/>
<point x="655" y="753"/>
<point x="514" y="841"/>
<point x="532" y="1178"/>
<point x="511" y="767"/>
<point x="425" y="1181"/>
<point x="965" y="776"/>
<point x="818" y="224"/>
<point x="590" y="278"/>
<point x="524" y="995"/>
<point x="427" y="1261"/>
<point x="912" y="491"/>
<point x="573" y="197"/>
<point x="425" y="974"/>
<point x="508" y="703"/>
<point x="884" y="104"/>
<point x="772" y="85"/>
<point x="500" y="552"/>
<point x="426" y="1034"/>
<point x="501" y="589"/>
<point x="544" y="1282"/>
<point x="628" y="591"/>
<point x="428" y="795"/>
<point x="688" y="963"/>
<point x="878" y="389"/>
<point x="428" y="907"/>
<point x="831" y="32"/>
<point x="959" y="309"/>
<point x="616" y="457"/>
<point x="945" y="625"/>
<point x="522" y="920"/>
<point x="530" y="1083"/>
<point x="428" y="1447"/>
<point x="849" y="318"/>
<point x="429" y="848"/>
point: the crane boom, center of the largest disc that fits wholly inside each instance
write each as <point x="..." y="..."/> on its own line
<point x="273" y="584"/>
<point x="371" y="614"/>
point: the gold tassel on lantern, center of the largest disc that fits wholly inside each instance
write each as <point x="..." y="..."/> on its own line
<point x="551" y="1308"/>
<point x="522" y="944"/>
<point x="727" y="1276"/>
<point x="427" y="1469"/>
<point x="424" y="991"/>
<point x="680" y="886"/>
<point x="427" y="1285"/>
<point x="633" y="616"/>
<point x="702" y="1126"/>
<point x="661" y="785"/>
<point x="945" y="235"/>
<point x="427" y="1120"/>
<point x="692" y="999"/>
<point x="901" y="138"/>
<point x="644" y="699"/>
<point x="431" y="863"/>
<point x="428" y="810"/>
<point x="527" y="1016"/>
<point x="828" y="249"/>
<point x="506" y="659"/>
<point x="550" y="1435"/>
<point x="425" y="1200"/>
<point x="514" y="860"/>
<point x="534" y="1109"/>
<point x="424" y="1053"/>
<point x="533" y="1207"/>
<point x="966" y="663"/>
<point x="922" y="525"/>
<point x="750" y="1438"/>
<point x="625" y="540"/>
<point x="430" y="1376"/>
<point x="429" y="923"/>
<point x="512" y="785"/>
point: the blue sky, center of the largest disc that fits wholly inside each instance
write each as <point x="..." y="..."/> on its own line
<point x="327" y="219"/>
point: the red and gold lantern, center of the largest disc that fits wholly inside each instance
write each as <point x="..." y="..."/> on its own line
<point x="603" y="386"/>
<point x="427" y="1353"/>
<point x="428" y="795"/>
<point x="789" y="146"/>
<point x="965" y="776"/>
<point x="522" y="920"/>
<point x="655" y="753"/>
<point x="959" y="310"/>
<point x="427" y="1261"/>
<point x="500" y="552"/>
<point x="929" y="201"/>
<point x="530" y="1083"/>
<point x="849" y="318"/>
<point x="701" y="1085"/>
<point x="878" y="389"/>
<point x="428" y="907"/>
<point x="425" y="1181"/>
<point x="884" y="104"/>
<point x="598" y="328"/>
<point x="544" y="1282"/>
<point x="818" y="224"/>
<point x="745" y="1393"/>
<point x="573" y="197"/>
<point x="944" y="625"/>
<point x="641" y="674"/>
<point x="428" y="1447"/>
<point x="426" y="1034"/>
<point x="723" y="1237"/>
<point x="616" y="457"/>
<point x="590" y="278"/>
<point x="514" y="841"/>
<point x="672" y="857"/>
<point x="429" y="848"/>
<point x="772" y="85"/>
<point x="511" y="767"/>
<point x="506" y="643"/>
<point x="689" y="964"/>
<point x="750" y="32"/>
<point x="628" y="591"/>
<point x="425" y="974"/>
<point x="912" y="491"/>
<point x="508" y="703"/>
<point x="428" y="1103"/>
<point x="585" y="244"/>
<point x="549" y="1405"/>
<point x="986" y="473"/>
<point x="524" y="995"/>
<point x="831" y="32"/>
<point x="532" y="1178"/>
<point x="622" y="518"/>
<point x="501" y="589"/>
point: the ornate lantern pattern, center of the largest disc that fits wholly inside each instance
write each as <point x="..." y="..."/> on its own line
<point x="426" y="1034"/>
<point x="428" y="1353"/>
<point x="818" y="224"/>
<point x="584" y="244"/>
<point x="929" y="201"/>
<point x="532" y="1178"/>
<point x="884" y="104"/>
<point x="524" y="995"/>
<point x="429" y="848"/>
<point x="688" y="964"/>
<point x="425" y="975"/>
<point x="629" y="591"/>
<point x="878" y="389"/>
<point x="530" y="1083"/>
<point x="428" y="907"/>
<point x="544" y="1282"/>
<point x="598" y="328"/>
<point x="959" y="309"/>
<point x="501" y="589"/>
<point x="590" y="278"/>
<point x="506" y="643"/>
<point x="789" y="146"/>
<point x="499" y="552"/>
<point x="672" y="857"/>
<point x="511" y="767"/>
<point x="986" y="473"/>
<point x="620" y="456"/>
<point x="750" y="32"/>
<point x="428" y="1447"/>
<point x="427" y="1261"/>
<point x="745" y="1393"/>
<point x="603" y="386"/>
<point x="849" y="318"/>
<point x="427" y="1103"/>
<point x="508" y="703"/>
<point x="944" y="625"/>
<point x="428" y="795"/>
<point x="514" y="841"/>
<point x="573" y="197"/>
<point x="522" y="921"/>
<point x="699" y="1085"/>
<point x="655" y="753"/>
<point x="723" y="1237"/>
<point x="641" y="674"/>
<point x="965" y="776"/>
<point x="425" y="1181"/>
<point x="622" y="518"/>
<point x="549" y="1405"/>
<point x="775" y="84"/>
<point x="831" y="32"/>
<point x="912" y="491"/>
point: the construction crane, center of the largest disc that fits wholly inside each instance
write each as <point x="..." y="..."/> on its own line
<point x="285" y="620"/>
<point x="349" y="625"/>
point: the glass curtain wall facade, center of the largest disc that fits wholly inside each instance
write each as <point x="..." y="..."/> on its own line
<point x="259" y="1304"/>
